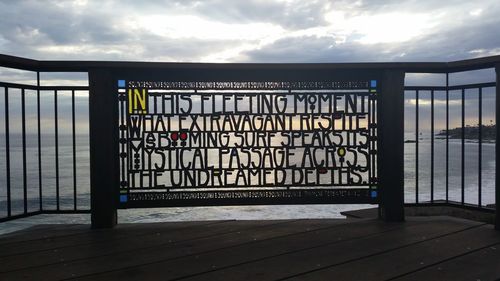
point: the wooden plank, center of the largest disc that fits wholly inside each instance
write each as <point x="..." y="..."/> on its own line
<point x="42" y="232"/>
<point x="165" y="251"/>
<point x="150" y="238"/>
<point x="371" y="213"/>
<point x="482" y="264"/>
<point x="86" y="237"/>
<point x="408" y="259"/>
<point x="282" y="266"/>
<point x="255" y="251"/>
<point x="209" y="261"/>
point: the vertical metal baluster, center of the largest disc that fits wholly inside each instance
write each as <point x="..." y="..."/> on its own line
<point x="447" y="135"/>
<point x="57" y="149"/>
<point x="7" y="151"/>
<point x="480" y="148"/>
<point x="369" y="141"/>
<point x="74" y="148"/>
<point x="374" y="143"/>
<point x="128" y="160"/>
<point x="497" y="147"/>
<point x="432" y="146"/>
<point x="124" y="134"/>
<point x="40" y="193"/>
<point x="463" y="148"/>
<point x="416" y="146"/>
<point x="23" y="120"/>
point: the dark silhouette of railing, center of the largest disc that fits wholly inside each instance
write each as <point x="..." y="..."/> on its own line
<point x="475" y="90"/>
<point x="104" y="122"/>
<point x="44" y="205"/>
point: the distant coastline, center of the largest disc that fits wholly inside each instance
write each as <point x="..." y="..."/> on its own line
<point x="488" y="133"/>
<point x="471" y="134"/>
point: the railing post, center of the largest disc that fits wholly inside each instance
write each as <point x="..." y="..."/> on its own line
<point x="497" y="149"/>
<point x="390" y="120"/>
<point x="104" y="162"/>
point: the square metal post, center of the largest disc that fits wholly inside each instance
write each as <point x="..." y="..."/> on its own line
<point x="390" y="123"/>
<point x="104" y="161"/>
<point x="497" y="149"/>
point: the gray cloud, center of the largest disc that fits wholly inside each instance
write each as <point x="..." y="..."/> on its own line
<point x="297" y="15"/>
<point x="444" y="43"/>
<point x="311" y="49"/>
<point x="96" y="30"/>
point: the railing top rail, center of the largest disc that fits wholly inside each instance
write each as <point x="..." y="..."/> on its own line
<point x="84" y="66"/>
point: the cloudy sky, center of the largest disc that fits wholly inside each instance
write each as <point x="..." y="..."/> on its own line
<point x="261" y="31"/>
<point x="251" y="30"/>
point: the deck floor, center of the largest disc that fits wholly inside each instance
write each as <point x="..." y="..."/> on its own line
<point x="431" y="248"/>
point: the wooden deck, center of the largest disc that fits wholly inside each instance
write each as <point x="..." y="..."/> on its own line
<point x="431" y="248"/>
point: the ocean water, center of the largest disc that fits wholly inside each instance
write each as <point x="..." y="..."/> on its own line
<point x="222" y="212"/>
<point x="471" y="170"/>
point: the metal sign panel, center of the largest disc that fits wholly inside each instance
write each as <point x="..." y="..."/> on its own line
<point x="216" y="143"/>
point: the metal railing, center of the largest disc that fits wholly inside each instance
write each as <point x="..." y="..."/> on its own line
<point x="35" y="186"/>
<point x="451" y="195"/>
<point x="105" y="171"/>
